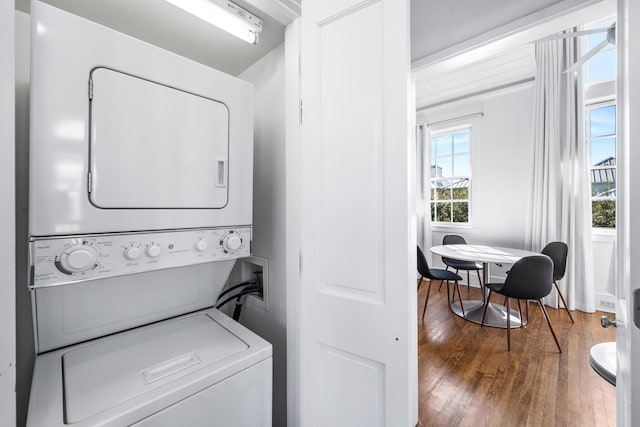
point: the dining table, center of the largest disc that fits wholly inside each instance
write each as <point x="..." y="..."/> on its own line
<point x="486" y="255"/>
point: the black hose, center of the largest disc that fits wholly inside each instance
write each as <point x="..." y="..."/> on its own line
<point x="237" y="311"/>
<point x="246" y="291"/>
<point x="226" y="291"/>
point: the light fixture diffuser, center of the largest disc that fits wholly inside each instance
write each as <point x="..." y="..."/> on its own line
<point x="225" y="15"/>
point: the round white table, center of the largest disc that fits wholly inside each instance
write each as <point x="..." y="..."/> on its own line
<point x="487" y="255"/>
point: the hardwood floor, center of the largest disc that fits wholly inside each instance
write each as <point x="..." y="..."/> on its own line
<point x="467" y="377"/>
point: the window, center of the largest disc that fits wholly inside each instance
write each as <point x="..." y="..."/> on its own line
<point x="602" y="67"/>
<point x="600" y="126"/>
<point x="450" y="175"/>
<point x="601" y="144"/>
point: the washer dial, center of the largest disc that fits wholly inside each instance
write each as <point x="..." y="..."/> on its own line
<point x="77" y="258"/>
<point x="231" y="242"/>
<point x="153" y="250"/>
<point x="132" y="252"/>
<point x="201" y="245"/>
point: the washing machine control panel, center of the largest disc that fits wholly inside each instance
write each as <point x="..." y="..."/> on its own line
<point x="56" y="261"/>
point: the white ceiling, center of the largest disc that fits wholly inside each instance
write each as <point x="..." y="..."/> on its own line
<point x="162" y="24"/>
<point x="437" y="25"/>
<point x="505" y="59"/>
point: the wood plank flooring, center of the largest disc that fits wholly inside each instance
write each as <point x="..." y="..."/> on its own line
<point x="467" y="377"/>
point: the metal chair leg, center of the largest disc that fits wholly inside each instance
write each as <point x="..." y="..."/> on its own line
<point x="508" y="326"/>
<point x="546" y="316"/>
<point x="459" y="298"/>
<point x="563" y="301"/>
<point x="486" y="305"/>
<point x="520" y="312"/>
<point x="442" y="281"/>
<point x="426" y="301"/>
<point x="468" y="284"/>
<point x="420" y="282"/>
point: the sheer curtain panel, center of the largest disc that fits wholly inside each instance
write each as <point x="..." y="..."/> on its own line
<point x="560" y="197"/>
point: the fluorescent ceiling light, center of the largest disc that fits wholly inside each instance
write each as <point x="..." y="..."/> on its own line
<point x="225" y="15"/>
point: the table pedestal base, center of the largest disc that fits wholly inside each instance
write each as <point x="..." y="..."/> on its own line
<point x="496" y="314"/>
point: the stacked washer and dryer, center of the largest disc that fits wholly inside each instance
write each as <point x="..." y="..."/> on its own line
<point x="140" y="203"/>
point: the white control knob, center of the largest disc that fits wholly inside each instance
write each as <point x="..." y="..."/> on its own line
<point x="78" y="258"/>
<point x="132" y="252"/>
<point x="201" y="245"/>
<point x="232" y="242"/>
<point x="153" y="251"/>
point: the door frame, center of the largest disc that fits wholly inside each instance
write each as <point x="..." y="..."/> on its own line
<point x="7" y="216"/>
<point x="628" y="232"/>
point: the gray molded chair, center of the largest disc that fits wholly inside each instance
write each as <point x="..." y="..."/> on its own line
<point x="454" y="239"/>
<point x="436" y="274"/>
<point x="557" y="251"/>
<point x="530" y="278"/>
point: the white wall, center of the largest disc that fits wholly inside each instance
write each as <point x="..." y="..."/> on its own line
<point x="7" y="217"/>
<point x="501" y="171"/>
<point x="267" y="75"/>
<point x="501" y="180"/>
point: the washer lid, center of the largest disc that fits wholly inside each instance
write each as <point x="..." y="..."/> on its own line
<point x="106" y="373"/>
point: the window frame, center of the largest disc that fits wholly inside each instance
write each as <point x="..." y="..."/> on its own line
<point x="447" y="127"/>
<point x="586" y="67"/>
<point x="589" y="106"/>
<point x="597" y="94"/>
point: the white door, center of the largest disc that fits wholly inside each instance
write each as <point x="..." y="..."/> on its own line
<point x="628" y="269"/>
<point x="358" y="295"/>
<point x="7" y="219"/>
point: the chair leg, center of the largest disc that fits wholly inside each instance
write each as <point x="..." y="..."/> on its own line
<point x="420" y="282"/>
<point x="563" y="301"/>
<point x="484" y="312"/>
<point x="460" y="298"/>
<point x="520" y="312"/>
<point x="468" y="284"/>
<point x="546" y="316"/>
<point x="426" y="301"/>
<point x="508" y="326"/>
<point x="448" y="295"/>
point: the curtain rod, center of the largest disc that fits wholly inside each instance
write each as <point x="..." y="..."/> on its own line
<point x="468" y="116"/>
<point x="476" y="94"/>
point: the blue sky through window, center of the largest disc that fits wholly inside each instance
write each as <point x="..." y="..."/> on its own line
<point x="602" y="149"/>
<point x="602" y="66"/>
<point x="603" y="121"/>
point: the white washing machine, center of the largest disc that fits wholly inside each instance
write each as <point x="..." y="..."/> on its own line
<point x="201" y="369"/>
<point x="140" y="203"/>
<point x="125" y="136"/>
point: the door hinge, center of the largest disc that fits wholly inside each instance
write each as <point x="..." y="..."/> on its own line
<point x="89" y="182"/>
<point x="636" y="308"/>
<point x="90" y="89"/>
<point x="301" y="108"/>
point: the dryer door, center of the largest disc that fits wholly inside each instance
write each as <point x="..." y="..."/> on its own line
<point x="155" y="147"/>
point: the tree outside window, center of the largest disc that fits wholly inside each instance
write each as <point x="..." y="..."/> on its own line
<point x="600" y="126"/>
<point x="450" y="176"/>
<point x="601" y="140"/>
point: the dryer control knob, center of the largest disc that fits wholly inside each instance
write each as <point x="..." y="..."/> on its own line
<point x="153" y="251"/>
<point x="232" y="242"/>
<point x="132" y="252"/>
<point x="78" y="258"/>
<point x="201" y="245"/>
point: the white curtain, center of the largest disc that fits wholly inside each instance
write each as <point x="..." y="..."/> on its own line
<point x="423" y="208"/>
<point x="561" y="198"/>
